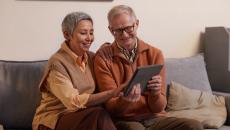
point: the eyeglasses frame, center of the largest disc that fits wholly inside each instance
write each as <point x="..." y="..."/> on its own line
<point x="120" y="31"/>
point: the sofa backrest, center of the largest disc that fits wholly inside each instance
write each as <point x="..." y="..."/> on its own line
<point x="19" y="93"/>
<point x="190" y="72"/>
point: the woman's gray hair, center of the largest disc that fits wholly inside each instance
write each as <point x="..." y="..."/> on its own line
<point x="120" y="9"/>
<point x="71" y="20"/>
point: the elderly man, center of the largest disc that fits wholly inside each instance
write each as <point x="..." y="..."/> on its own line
<point x="137" y="111"/>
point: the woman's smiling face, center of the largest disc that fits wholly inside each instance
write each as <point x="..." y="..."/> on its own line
<point x="82" y="37"/>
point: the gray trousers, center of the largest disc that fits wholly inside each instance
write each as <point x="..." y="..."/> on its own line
<point x="160" y="123"/>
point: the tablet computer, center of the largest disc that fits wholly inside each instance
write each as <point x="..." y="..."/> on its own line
<point x="142" y="75"/>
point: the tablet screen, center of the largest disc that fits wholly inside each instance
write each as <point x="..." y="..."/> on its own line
<point x="142" y="75"/>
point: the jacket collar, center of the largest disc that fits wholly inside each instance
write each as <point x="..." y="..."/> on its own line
<point x="141" y="47"/>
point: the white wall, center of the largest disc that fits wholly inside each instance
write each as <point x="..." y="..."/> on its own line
<point x="30" y="30"/>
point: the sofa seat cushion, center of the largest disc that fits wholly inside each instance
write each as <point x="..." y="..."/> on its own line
<point x="209" y="109"/>
<point x="224" y="127"/>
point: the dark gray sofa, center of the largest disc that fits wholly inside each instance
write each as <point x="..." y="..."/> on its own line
<point x="19" y="94"/>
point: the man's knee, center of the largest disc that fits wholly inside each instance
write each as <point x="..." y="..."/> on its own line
<point x="129" y="125"/>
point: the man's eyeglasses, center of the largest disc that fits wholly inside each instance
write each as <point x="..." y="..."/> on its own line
<point x="119" y="31"/>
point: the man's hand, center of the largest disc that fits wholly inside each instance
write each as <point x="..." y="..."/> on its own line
<point x="134" y="95"/>
<point x="154" y="85"/>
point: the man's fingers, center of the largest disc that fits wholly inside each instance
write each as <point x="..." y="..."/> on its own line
<point x="154" y="81"/>
<point x="156" y="77"/>
<point x="137" y="89"/>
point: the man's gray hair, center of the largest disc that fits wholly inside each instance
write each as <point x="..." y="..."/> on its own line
<point x="71" y="20"/>
<point x="120" y="9"/>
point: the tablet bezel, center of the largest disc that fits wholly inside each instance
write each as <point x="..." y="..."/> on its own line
<point x="142" y="75"/>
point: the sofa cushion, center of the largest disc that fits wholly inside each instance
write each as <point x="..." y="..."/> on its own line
<point x="19" y="93"/>
<point x="209" y="109"/>
<point x="223" y="128"/>
<point x="188" y="71"/>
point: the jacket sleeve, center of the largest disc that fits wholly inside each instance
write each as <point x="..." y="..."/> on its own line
<point x="158" y="103"/>
<point x="105" y="81"/>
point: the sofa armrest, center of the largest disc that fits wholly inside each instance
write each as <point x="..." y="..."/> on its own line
<point x="227" y="104"/>
<point x="221" y="93"/>
<point x="1" y="127"/>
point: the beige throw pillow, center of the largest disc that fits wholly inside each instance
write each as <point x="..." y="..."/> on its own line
<point x="1" y="127"/>
<point x="209" y="109"/>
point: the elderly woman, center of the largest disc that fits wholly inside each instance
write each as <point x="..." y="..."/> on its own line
<point x="68" y="99"/>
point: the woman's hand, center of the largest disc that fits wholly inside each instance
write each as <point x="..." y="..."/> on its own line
<point x="134" y="95"/>
<point x="117" y="92"/>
